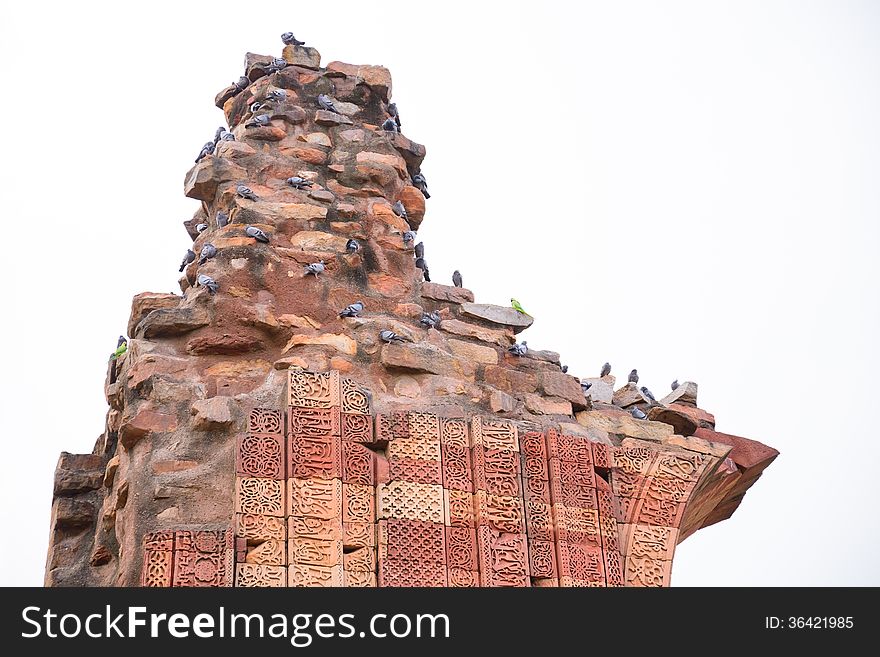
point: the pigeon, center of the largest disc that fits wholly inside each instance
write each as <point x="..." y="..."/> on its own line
<point x="255" y="107"/>
<point x="518" y="307"/>
<point x="352" y="246"/>
<point x="633" y="376"/>
<point x="121" y="348"/>
<point x="298" y="183"/>
<point x="638" y="413"/>
<point x="392" y="110"/>
<point x="390" y="336"/>
<point x="353" y="310"/>
<point x="188" y="258"/>
<point x="207" y="149"/>
<point x="245" y="192"/>
<point x="315" y="268"/>
<point x="222" y="219"/>
<point x="277" y="64"/>
<point x="325" y="103"/>
<point x="390" y="125"/>
<point x="227" y="136"/>
<point x="586" y="385"/>
<point x="420" y="250"/>
<point x="675" y="385"/>
<point x="208" y="282"/>
<point x="259" y="121"/>
<point x="430" y="320"/>
<point x="219" y="134"/>
<point x="423" y="265"/>
<point x="257" y="234"/>
<point x="409" y="236"/>
<point x="565" y="369"/>
<point x="399" y="210"/>
<point x="456" y="281"/>
<point x="208" y="251"/>
<point x="289" y="40"/>
<point x="606" y="370"/>
<point x="647" y="393"/>
<point x="421" y="184"/>
<point x="519" y="348"/>
<point x="242" y="84"/>
<point x="201" y="228"/>
<point x="276" y="94"/>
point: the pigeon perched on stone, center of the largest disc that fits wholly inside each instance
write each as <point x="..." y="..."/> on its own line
<point x="315" y="268"/>
<point x="638" y="413"/>
<point x="277" y="64"/>
<point x="245" y="192"/>
<point x="218" y="134"/>
<point x="586" y="385"/>
<point x="257" y="234"/>
<point x="633" y="376"/>
<point x="208" y="251"/>
<point x="517" y="306"/>
<point x="201" y="228"/>
<point x="207" y="149"/>
<point x="222" y="219"/>
<point x="606" y="370"/>
<point x="226" y="135"/>
<point x="419" y="250"/>
<point x="675" y="385"/>
<point x="289" y="40"/>
<point x="352" y="246"/>
<point x="188" y="258"/>
<point x="325" y="103"/>
<point x="456" y="278"/>
<point x="421" y="184"/>
<point x="392" y="110"/>
<point x="121" y="347"/>
<point x="430" y="320"/>
<point x="352" y="310"/>
<point x="255" y="107"/>
<point x="422" y="264"/>
<point x="565" y="369"/>
<point x="276" y="94"/>
<point x="207" y="282"/>
<point x="409" y="236"/>
<point x="390" y="336"/>
<point x="400" y="210"/>
<point x="298" y="183"/>
<point x="389" y="125"/>
<point x="242" y="84"/>
<point x="647" y="393"/>
<point x="519" y="348"/>
<point x="259" y="121"/>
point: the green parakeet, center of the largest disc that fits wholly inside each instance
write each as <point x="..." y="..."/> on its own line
<point x="121" y="349"/>
<point x="517" y="307"/>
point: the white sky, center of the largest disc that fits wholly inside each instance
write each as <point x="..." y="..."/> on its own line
<point x="690" y="188"/>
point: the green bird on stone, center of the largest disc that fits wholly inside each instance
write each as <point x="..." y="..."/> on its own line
<point x="518" y="307"/>
<point x="121" y="347"/>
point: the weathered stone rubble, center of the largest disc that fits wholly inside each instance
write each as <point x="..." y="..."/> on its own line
<point x="164" y="474"/>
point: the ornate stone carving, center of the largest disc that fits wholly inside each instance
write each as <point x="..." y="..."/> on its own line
<point x="259" y="528"/>
<point x="312" y="390"/>
<point x="265" y="421"/>
<point x="315" y="498"/>
<point x="259" y="496"/>
<point x="412" y="501"/>
<point x="260" y="456"/>
<point x="355" y="399"/>
<point x="259" y="575"/>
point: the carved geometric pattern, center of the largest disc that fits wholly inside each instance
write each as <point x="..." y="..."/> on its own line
<point x="569" y="448"/>
<point x="537" y="490"/>
<point x="361" y="559"/>
<point x="314" y="390"/>
<point x="159" y="541"/>
<point x="359" y="503"/>
<point x="313" y="457"/>
<point x="539" y="522"/>
<point x="403" y="499"/>
<point x="602" y="456"/>
<point x="307" y="575"/>
<point x="205" y="541"/>
<point x="316" y="553"/>
<point x="459" y="578"/>
<point x="453" y="431"/>
<point x="424" y="427"/>
<point x="572" y="472"/>
<point x="608" y="529"/>
<point x="399" y="425"/>
<point x="259" y="528"/>
<point x="358" y="534"/>
<point x="354" y="398"/>
<point x="542" y="559"/>
<point x="461" y="548"/>
<point x="535" y="467"/>
<point x="358" y="464"/>
<point x="500" y="512"/>
<point x="259" y="575"/>
<point x="157" y="570"/>
<point x="503" y="558"/>
<point x="572" y="495"/>
<point x="458" y="508"/>
<point x="627" y="507"/>
<point x="416" y="470"/>
<point x="494" y="434"/>
<point x="576" y="525"/>
<point x="382" y="428"/>
<point x="414" y="448"/>
<point x="359" y="579"/>
<point x="613" y="568"/>
<point x="607" y="505"/>
<point x="315" y="498"/>
<point x="264" y="420"/>
<point x="321" y="529"/>
<point x="457" y="467"/>
<point x="532" y="444"/>
<point x="260" y="456"/>
<point x="259" y="496"/>
<point x="405" y="572"/>
<point x="580" y="563"/>
<point x="270" y="553"/>
<point x="636" y="460"/>
<point x="316" y="422"/>
<point x="424" y="542"/>
<point x="357" y="428"/>
<point x="196" y="569"/>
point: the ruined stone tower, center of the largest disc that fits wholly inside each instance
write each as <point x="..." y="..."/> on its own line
<point x="257" y="438"/>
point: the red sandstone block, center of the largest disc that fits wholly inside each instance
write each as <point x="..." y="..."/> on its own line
<point x="574" y="449"/>
<point x="750" y="455"/>
<point x="359" y="503"/>
<point x="415" y="470"/>
<point x="457" y="471"/>
<point x="499" y="483"/>
<point x="399" y="425"/>
<point x="353" y="398"/>
<point x="458" y="508"/>
<point x="260" y="575"/>
<point x="494" y="434"/>
<point x="314" y="422"/>
<point x="635" y="460"/>
<point x="572" y="472"/>
<point x="608" y="505"/>
<point x="667" y="488"/>
<point x="454" y="432"/>
<point x="537" y="490"/>
<point x="260" y="456"/>
<point x="576" y="525"/>
<point x="412" y="539"/>
<point x="357" y="428"/>
<point x="314" y="390"/>
<point x="258" y="528"/>
<point x="159" y="541"/>
<point x="358" y="534"/>
<point x="410" y="500"/>
<point x="610" y="534"/>
<point x="542" y="559"/>
<point x="314" y="552"/>
<point x="382" y="429"/>
<point x="504" y="513"/>
<point x="240" y="549"/>
<point x="259" y="496"/>
<point x="646" y="571"/>
<point x="359" y="579"/>
<point x="533" y="444"/>
<point x="413" y="448"/>
<point x="652" y="541"/>
<point x="315" y="498"/>
<point x="423" y="426"/>
<point x="540" y="524"/>
<point x="308" y="575"/>
<point x="602" y="456"/>
<point x="211" y="541"/>
<point x="200" y="569"/>
<point x="613" y="568"/>
<point x="500" y="460"/>
<point x="580" y="562"/>
<point x="459" y="578"/>
<point x="403" y="572"/>
<point x="627" y="506"/>
<point x="268" y="553"/>
<point x="461" y="548"/>
<point x="572" y="495"/>
<point x="312" y="457"/>
<point x="360" y="559"/>
<point x="627" y="483"/>
<point x="158" y="568"/>
<point x="358" y="464"/>
<point x="503" y="558"/>
<point x="265" y="421"/>
<point x="321" y="529"/>
<point x="535" y="467"/>
<point x="653" y="511"/>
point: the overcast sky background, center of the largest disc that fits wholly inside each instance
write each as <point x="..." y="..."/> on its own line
<point x="689" y="188"/>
